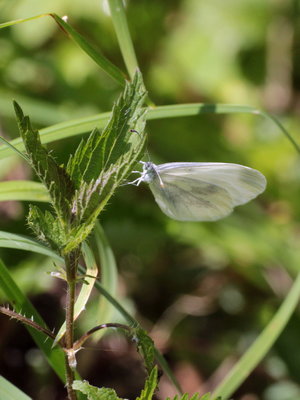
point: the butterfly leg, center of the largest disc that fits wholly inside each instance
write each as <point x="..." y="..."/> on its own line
<point x="136" y="182"/>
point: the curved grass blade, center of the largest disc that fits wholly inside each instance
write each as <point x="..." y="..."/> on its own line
<point x="21" y="304"/>
<point x="11" y="392"/>
<point x="109" y="276"/>
<point x="23" y="190"/>
<point x="107" y="66"/>
<point x="13" y="241"/>
<point x="27" y="244"/>
<point x="261" y="346"/>
<point x="117" y="11"/>
<point x="89" y="277"/>
<point x="87" y="124"/>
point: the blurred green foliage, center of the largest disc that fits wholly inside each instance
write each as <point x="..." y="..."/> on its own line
<point x="204" y="289"/>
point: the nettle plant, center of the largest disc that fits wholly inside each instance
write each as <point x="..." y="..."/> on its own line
<point x="78" y="193"/>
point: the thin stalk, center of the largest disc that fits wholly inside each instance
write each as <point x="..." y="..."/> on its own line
<point x="122" y="31"/>
<point x="71" y="262"/>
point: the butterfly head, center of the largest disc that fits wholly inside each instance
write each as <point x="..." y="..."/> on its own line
<point x="150" y="173"/>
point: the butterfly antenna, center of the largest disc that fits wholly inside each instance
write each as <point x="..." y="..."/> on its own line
<point x="146" y="151"/>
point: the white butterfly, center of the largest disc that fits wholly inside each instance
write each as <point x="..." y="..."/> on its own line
<point x="189" y="191"/>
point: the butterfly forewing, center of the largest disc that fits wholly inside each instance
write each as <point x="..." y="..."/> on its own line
<point x="242" y="183"/>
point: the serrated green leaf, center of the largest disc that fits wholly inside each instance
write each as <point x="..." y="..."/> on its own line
<point x="95" y="393"/>
<point x="145" y="346"/>
<point x="100" y="151"/>
<point x="206" y="396"/>
<point x="150" y="386"/>
<point x="46" y="227"/>
<point x="53" y="176"/>
<point x="103" y="162"/>
<point x="195" y="396"/>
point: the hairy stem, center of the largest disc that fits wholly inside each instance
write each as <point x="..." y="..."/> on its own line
<point x="26" y="321"/>
<point x="71" y="262"/>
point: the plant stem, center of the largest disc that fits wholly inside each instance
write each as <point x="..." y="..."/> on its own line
<point x="80" y="341"/>
<point x="26" y="321"/>
<point x="71" y="262"/>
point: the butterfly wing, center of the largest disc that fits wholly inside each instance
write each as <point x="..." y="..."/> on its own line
<point x="204" y="191"/>
<point x="242" y="183"/>
<point x="188" y="199"/>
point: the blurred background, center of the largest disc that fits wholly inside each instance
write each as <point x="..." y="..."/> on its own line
<point x="204" y="291"/>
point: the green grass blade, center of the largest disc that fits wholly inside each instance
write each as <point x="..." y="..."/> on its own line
<point x="87" y="124"/>
<point x="40" y="111"/>
<point x="107" y="66"/>
<point x="11" y="392"/>
<point x="19" y="21"/>
<point x="13" y="241"/>
<point x="86" y="288"/>
<point x="23" y="243"/>
<point x="109" y="275"/>
<point x="118" y="15"/>
<point x="55" y="357"/>
<point x="23" y="190"/>
<point x="12" y="148"/>
<point x="261" y="346"/>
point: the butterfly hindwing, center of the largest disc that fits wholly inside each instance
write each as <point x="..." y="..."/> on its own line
<point x="188" y="199"/>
